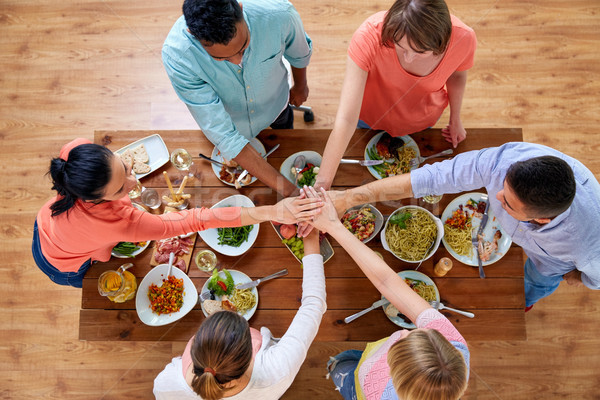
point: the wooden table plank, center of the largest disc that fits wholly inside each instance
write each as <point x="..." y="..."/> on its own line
<point x="498" y="298"/>
<point x="124" y="325"/>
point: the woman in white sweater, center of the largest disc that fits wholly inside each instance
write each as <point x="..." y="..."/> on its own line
<point x="227" y="359"/>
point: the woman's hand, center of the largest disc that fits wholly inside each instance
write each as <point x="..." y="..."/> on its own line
<point x="454" y="133"/>
<point x="311" y="243"/>
<point x="328" y="217"/>
<point x="295" y="209"/>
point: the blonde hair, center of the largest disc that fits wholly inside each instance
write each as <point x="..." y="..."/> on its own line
<point x="221" y="352"/>
<point x="425" y="366"/>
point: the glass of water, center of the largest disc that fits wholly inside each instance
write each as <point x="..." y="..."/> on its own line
<point x="151" y="198"/>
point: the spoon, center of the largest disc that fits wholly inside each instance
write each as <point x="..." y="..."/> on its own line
<point x="171" y="258"/>
<point x="299" y="163"/>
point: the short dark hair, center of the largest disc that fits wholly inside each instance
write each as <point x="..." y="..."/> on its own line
<point x="212" y="21"/>
<point x="425" y="23"/>
<point x="545" y="185"/>
<point x="84" y="176"/>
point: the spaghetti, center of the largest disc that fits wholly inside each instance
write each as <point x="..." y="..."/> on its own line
<point x="412" y="240"/>
<point x="243" y="299"/>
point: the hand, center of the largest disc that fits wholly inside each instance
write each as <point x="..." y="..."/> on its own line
<point x="573" y="278"/>
<point x="304" y="228"/>
<point x="338" y="197"/>
<point x="454" y="133"/>
<point x="294" y="209"/>
<point x="328" y="216"/>
<point x="311" y="243"/>
<point x="298" y="94"/>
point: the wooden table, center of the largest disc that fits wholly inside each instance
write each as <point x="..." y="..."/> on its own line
<point x="497" y="301"/>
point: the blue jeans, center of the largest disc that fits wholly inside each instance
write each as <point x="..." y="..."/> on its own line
<point x="538" y="286"/>
<point x="341" y="370"/>
<point x="74" y="279"/>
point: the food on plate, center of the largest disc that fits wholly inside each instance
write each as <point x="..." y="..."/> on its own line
<point x="177" y="245"/>
<point x="176" y="199"/>
<point x="127" y="248"/>
<point x="168" y="297"/>
<point x="219" y="285"/>
<point x="486" y="249"/>
<point x="457" y="232"/>
<point x="243" y="299"/>
<point x="391" y="310"/>
<point x="288" y="231"/>
<point x="137" y="158"/>
<point x="360" y="222"/>
<point x="212" y="306"/>
<point x="421" y="288"/>
<point x="296" y="245"/>
<point x="227" y="304"/>
<point x="410" y="234"/>
<point x="234" y="236"/>
<point x="307" y="175"/>
<point x="231" y="174"/>
<point x="391" y="148"/>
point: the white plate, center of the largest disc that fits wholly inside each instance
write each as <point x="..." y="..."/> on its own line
<point x="211" y="236"/>
<point x="286" y="167"/>
<point x="216" y="155"/>
<point x="438" y="239"/>
<point x="156" y="275"/>
<point x="408" y="141"/>
<point x="378" y="219"/>
<point x="133" y="254"/>
<point x="238" y="279"/>
<point x="158" y="155"/>
<point x="488" y="232"/>
<point x="410" y="274"/>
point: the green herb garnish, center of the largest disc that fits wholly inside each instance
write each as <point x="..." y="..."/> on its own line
<point x="400" y="219"/>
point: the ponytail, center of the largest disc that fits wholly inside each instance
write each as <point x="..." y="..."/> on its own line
<point x="221" y="352"/>
<point x="83" y="176"/>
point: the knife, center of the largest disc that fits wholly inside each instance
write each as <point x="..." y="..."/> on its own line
<point x="364" y="163"/>
<point x="378" y="303"/>
<point x="245" y="172"/>
<point x="484" y="220"/>
<point x="266" y="278"/>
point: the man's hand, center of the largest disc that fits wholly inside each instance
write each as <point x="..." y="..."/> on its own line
<point x="573" y="278"/>
<point x="293" y="209"/>
<point x="298" y="94"/>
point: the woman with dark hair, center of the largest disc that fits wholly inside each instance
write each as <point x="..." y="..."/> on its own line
<point x="404" y="67"/>
<point x="227" y="359"/>
<point x="428" y="363"/>
<point x="91" y="213"/>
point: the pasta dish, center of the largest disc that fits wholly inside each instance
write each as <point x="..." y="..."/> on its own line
<point x="243" y="299"/>
<point x="410" y="235"/>
<point x="457" y="232"/>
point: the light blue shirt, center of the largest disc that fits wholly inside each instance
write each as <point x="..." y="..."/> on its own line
<point x="570" y="241"/>
<point x="232" y="104"/>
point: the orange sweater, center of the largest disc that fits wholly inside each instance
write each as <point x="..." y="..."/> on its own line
<point x="92" y="230"/>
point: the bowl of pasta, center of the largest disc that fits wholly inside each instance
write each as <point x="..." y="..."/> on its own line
<point x="412" y="234"/>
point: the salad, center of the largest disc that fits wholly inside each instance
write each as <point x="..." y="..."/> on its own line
<point x="360" y="222"/>
<point x="307" y="176"/>
<point x="219" y="285"/>
<point x="168" y="297"/>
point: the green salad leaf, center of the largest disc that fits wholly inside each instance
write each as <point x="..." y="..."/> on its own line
<point x="213" y="283"/>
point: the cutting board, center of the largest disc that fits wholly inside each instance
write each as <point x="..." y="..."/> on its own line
<point x="186" y="257"/>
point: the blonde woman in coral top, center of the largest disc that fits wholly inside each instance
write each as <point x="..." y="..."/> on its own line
<point x="404" y="67"/>
<point x="91" y="213"/>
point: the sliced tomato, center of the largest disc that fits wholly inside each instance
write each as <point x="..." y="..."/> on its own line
<point x="222" y="285"/>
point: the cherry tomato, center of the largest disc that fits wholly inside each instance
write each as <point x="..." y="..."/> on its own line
<point x="222" y="285"/>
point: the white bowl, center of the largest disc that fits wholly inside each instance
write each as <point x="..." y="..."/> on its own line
<point x="286" y="167"/>
<point x="156" y="275"/>
<point x="211" y="236"/>
<point x="378" y="219"/>
<point x="438" y="239"/>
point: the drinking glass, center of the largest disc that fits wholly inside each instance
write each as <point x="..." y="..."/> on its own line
<point x="206" y="260"/>
<point x="182" y="160"/>
<point x="136" y="191"/>
<point x="151" y="198"/>
<point x="432" y="198"/>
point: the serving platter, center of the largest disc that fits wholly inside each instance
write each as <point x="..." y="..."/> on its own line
<point x="158" y="154"/>
<point x="156" y="276"/>
<point x="492" y="225"/>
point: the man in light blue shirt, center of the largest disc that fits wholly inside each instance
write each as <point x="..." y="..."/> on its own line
<point x="548" y="202"/>
<point x="225" y="62"/>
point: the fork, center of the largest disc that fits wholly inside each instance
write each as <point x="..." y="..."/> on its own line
<point x="440" y="306"/>
<point x="415" y="162"/>
<point x="204" y="296"/>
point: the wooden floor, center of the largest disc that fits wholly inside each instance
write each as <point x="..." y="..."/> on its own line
<point x="71" y="67"/>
